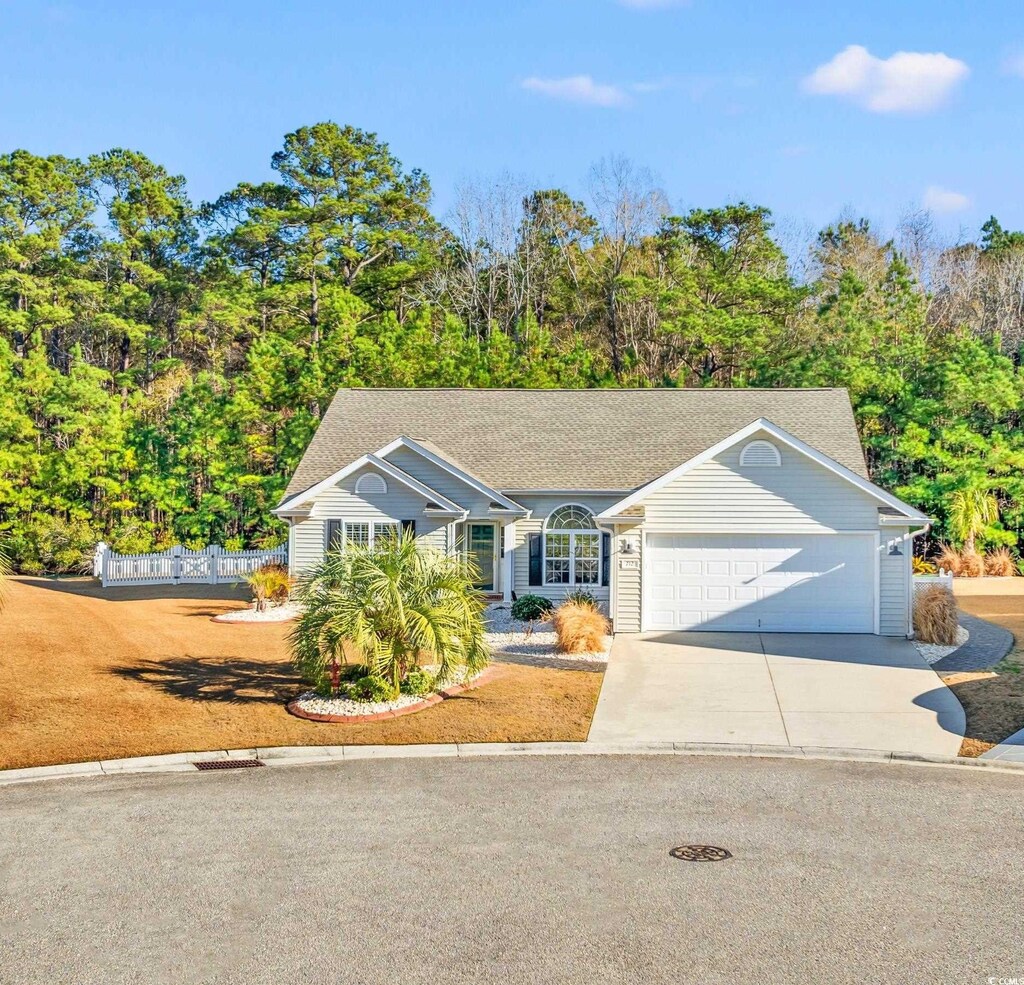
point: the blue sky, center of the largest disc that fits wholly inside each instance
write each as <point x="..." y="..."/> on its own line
<point x="721" y="99"/>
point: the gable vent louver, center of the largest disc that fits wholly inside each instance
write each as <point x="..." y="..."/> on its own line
<point x="760" y="453"/>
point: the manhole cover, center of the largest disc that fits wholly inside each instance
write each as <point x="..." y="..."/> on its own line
<point x="227" y="764"/>
<point x="700" y="853"/>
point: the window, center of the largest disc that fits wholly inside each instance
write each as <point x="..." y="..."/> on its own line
<point x="369" y="483"/>
<point x="361" y="534"/>
<point x="357" y="533"/>
<point x="382" y="532"/>
<point x="761" y="453"/>
<point x="572" y="547"/>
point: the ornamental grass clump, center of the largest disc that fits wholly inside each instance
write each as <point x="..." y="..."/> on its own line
<point x="392" y="607"/>
<point x="948" y="559"/>
<point x="972" y="564"/>
<point x="581" y="627"/>
<point x="269" y="583"/>
<point x="935" y="616"/>
<point x="1000" y="563"/>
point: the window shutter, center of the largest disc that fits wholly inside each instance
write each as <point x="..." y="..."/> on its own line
<point x="334" y="535"/>
<point x="536" y="560"/>
<point x="409" y="527"/>
<point x="606" y="557"/>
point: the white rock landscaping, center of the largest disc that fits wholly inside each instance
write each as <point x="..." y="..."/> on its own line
<point x="316" y="704"/>
<point x="272" y="613"/>
<point x="933" y="652"/>
<point x="511" y="636"/>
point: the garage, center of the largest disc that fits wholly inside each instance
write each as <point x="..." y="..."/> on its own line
<point x="796" y="583"/>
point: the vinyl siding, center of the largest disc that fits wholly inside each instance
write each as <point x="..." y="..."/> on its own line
<point x="541" y="507"/>
<point x="893" y="575"/>
<point x="721" y="496"/>
<point x="307" y="538"/>
<point x="441" y="481"/>
<point x="627" y="572"/>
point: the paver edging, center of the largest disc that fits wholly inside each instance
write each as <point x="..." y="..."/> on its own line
<point x="449" y="692"/>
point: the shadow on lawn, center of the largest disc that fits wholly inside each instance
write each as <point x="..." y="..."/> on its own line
<point x="229" y="680"/>
<point x="90" y="588"/>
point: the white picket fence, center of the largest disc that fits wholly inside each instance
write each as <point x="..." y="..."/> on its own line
<point x="179" y="566"/>
<point x="943" y="578"/>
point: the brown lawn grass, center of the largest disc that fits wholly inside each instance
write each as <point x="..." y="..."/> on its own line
<point x="994" y="703"/>
<point x="90" y="674"/>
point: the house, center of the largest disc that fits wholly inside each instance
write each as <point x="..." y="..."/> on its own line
<point x="730" y="510"/>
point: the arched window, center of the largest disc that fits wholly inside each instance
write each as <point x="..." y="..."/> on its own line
<point x="572" y="547"/>
<point x="372" y="484"/>
<point x="760" y="452"/>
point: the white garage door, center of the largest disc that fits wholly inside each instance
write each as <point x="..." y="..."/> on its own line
<point x="822" y="583"/>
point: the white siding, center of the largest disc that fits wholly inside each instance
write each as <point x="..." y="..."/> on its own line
<point x="721" y="496"/>
<point x="441" y="481"/>
<point x="626" y="578"/>
<point x="305" y="544"/>
<point x="893" y="577"/>
<point x="541" y="507"/>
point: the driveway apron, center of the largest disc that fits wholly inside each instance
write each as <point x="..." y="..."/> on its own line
<point x="800" y="689"/>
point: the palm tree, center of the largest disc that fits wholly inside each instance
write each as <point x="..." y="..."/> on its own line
<point x="971" y="510"/>
<point x="389" y="607"/>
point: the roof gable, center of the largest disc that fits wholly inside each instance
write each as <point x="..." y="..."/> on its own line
<point x="759" y="427"/>
<point x="441" y="503"/>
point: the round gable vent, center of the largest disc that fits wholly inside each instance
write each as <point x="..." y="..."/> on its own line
<point x="760" y="453"/>
<point x="371" y="483"/>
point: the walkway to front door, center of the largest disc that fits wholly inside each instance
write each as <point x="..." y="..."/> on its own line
<point x="801" y="689"/>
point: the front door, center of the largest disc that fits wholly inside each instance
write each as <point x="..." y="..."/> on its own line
<point x="480" y="548"/>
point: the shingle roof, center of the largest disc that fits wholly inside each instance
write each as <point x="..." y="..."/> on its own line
<point x="570" y="439"/>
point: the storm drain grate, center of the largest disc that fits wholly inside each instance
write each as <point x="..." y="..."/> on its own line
<point x="227" y="764"/>
<point x="700" y="853"/>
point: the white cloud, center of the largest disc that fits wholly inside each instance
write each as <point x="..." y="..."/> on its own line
<point x="943" y="201"/>
<point x="906" y="82"/>
<point x="578" y="89"/>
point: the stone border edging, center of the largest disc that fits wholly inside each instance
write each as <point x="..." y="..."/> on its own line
<point x="302" y="755"/>
<point x="433" y="699"/>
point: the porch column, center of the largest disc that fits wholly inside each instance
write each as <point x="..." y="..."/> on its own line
<point x="508" y="540"/>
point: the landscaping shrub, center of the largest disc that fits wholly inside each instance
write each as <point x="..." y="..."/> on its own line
<point x="581" y="597"/>
<point x="949" y="559"/>
<point x="923" y="567"/>
<point x="581" y="627"/>
<point x="269" y="583"/>
<point x="529" y="608"/>
<point x="935" y="616"/>
<point x="418" y="682"/>
<point x="972" y="564"/>
<point x="372" y="688"/>
<point x="1001" y="563"/>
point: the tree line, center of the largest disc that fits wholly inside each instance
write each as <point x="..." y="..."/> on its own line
<point x="164" y="363"/>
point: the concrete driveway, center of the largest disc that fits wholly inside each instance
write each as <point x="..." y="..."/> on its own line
<point x="835" y="691"/>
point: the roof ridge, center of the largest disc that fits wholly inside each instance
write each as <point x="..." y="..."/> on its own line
<point x="592" y="389"/>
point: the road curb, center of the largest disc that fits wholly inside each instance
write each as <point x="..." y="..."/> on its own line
<point x="307" y="755"/>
